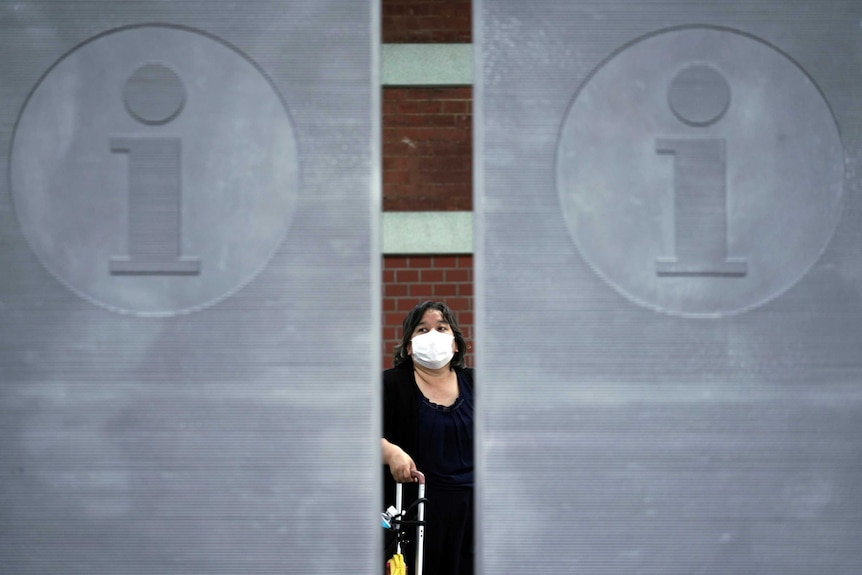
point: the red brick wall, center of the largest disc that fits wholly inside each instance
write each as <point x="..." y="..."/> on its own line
<point x="427" y="166"/>
<point x="409" y="280"/>
<point x="427" y="148"/>
<point x="418" y="21"/>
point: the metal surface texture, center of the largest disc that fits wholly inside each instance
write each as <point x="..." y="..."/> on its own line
<point x="668" y="233"/>
<point x="189" y="286"/>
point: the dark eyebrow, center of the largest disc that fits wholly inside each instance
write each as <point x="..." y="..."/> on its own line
<point x="441" y="322"/>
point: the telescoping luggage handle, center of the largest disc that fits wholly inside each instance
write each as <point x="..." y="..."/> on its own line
<point x="420" y="529"/>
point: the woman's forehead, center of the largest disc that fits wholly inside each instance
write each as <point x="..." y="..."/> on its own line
<point x="433" y="316"/>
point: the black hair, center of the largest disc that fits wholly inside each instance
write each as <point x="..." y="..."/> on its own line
<point x="412" y="320"/>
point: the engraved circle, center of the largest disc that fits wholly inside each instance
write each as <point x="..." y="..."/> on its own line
<point x="699" y="95"/>
<point x="709" y="218"/>
<point x="154" y="94"/>
<point x="137" y="207"/>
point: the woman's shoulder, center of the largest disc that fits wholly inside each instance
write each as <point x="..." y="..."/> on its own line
<point x="468" y="373"/>
<point x="397" y="374"/>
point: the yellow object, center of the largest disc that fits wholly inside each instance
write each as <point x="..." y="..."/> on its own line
<point x="396" y="566"/>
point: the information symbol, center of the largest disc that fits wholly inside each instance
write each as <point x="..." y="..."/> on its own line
<point x="699" y="96"/>
<point x="155" y="170"/>
<point x="679" y="175"/>
<point x="154" y="95"/>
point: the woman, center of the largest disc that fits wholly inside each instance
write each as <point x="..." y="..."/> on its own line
<point x="428" y="425"/>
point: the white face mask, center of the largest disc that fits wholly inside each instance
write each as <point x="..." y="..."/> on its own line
<point x="433" y="349"/>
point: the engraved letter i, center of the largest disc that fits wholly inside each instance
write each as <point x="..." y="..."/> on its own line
<point x="699" y="96"/>
<point x="154" y="95"/>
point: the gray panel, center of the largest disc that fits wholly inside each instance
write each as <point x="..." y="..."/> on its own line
<point x="189" y="287"/>
<point x="668" y="286"/>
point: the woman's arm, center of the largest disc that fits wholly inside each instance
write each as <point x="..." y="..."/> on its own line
<point x="400" y="464"/>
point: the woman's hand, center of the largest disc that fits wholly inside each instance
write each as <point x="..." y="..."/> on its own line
<point x="400" y="464"/>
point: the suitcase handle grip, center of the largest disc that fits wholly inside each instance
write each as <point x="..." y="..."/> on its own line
<point x="420" y="528"/>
